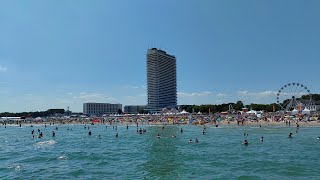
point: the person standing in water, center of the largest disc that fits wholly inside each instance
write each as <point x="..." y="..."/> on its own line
<point x="261" y="139"/>
<point x="181" y="130"/>
<point x="245" y="142"/>
<point x="53" y="134"/>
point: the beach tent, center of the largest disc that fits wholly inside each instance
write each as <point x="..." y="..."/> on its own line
<point x="252" y="112"/>
<point x="294" y="112"/>
<point x="306" y="111"/>
<point x="38" y="119"/>
<point x="184" y="112"/>
<point x="199" y="113"/>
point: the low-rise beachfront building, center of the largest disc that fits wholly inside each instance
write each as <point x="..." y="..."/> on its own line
<point x="134" y="109"/>
<point x="101" y="108"/>
<point x="312" y="105"/>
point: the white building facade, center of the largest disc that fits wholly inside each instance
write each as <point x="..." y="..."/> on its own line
<point x="101" y="108"/>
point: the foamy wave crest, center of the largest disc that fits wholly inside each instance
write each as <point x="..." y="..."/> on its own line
<point x="43" y="143"/>
<point x="62" y="158"/>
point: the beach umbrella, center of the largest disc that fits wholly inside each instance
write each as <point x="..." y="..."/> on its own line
<point x="96" y="121"/>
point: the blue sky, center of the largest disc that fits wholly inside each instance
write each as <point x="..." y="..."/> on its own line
<point x="55" y="54"/>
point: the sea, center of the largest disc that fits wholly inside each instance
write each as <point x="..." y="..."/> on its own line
<point x="219" y="154"/>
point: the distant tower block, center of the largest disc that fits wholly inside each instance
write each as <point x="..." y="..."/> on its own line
<point x="162" y="80"/>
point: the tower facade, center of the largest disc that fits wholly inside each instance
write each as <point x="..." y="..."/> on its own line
<point x="161" y="80"/>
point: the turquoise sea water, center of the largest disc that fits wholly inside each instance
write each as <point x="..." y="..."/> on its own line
<point x="219" y="154"/>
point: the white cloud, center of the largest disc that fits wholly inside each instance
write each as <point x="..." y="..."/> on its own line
<point x="2" y="69"/>
<point x="221" y="95"/>
<point x="90" y="97"/>
<point x="242" y="92"/>
<point x="258" y="94"/>
<point x="64" y="101"/>
<point x="70" y="93"/>
<point x="184" y="94"/>
<point x="131" y="87"/>
<point x="112" y="99"/>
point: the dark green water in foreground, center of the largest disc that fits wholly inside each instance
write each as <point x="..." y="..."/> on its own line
<point x="219" y="154"/>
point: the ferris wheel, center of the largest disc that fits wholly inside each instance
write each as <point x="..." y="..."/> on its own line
<point x="289" y="96"/>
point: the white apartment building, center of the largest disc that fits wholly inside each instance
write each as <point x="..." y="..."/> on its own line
<point x="101" y="108"/>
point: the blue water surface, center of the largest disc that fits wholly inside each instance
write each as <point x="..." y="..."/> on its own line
<point x="73" y="154"/>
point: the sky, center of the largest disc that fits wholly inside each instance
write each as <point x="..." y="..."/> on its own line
<point x="55" y="54"/>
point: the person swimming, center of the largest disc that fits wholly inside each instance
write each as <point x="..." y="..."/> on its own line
<point x="89" y="133"/>
<point x="197" y="140"/>
<point x="261" y="139"/>
<point x="158" y="136"/>
<point x="53" y="134"/>
<point x="245" y="142"/>
<point x="40" y="135"/>
<point x="117" y="135"/>
<point x="290" y="135"/>
<point x="318" y="137"/>
<point x="190" y="140"/>
<point x="203" y="132"/>
<point x="173" y="136"/>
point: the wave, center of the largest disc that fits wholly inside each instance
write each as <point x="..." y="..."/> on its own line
<point x="43" y="143"/>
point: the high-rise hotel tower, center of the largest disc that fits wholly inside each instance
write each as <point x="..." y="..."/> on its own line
<point x="161" y="79"/>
